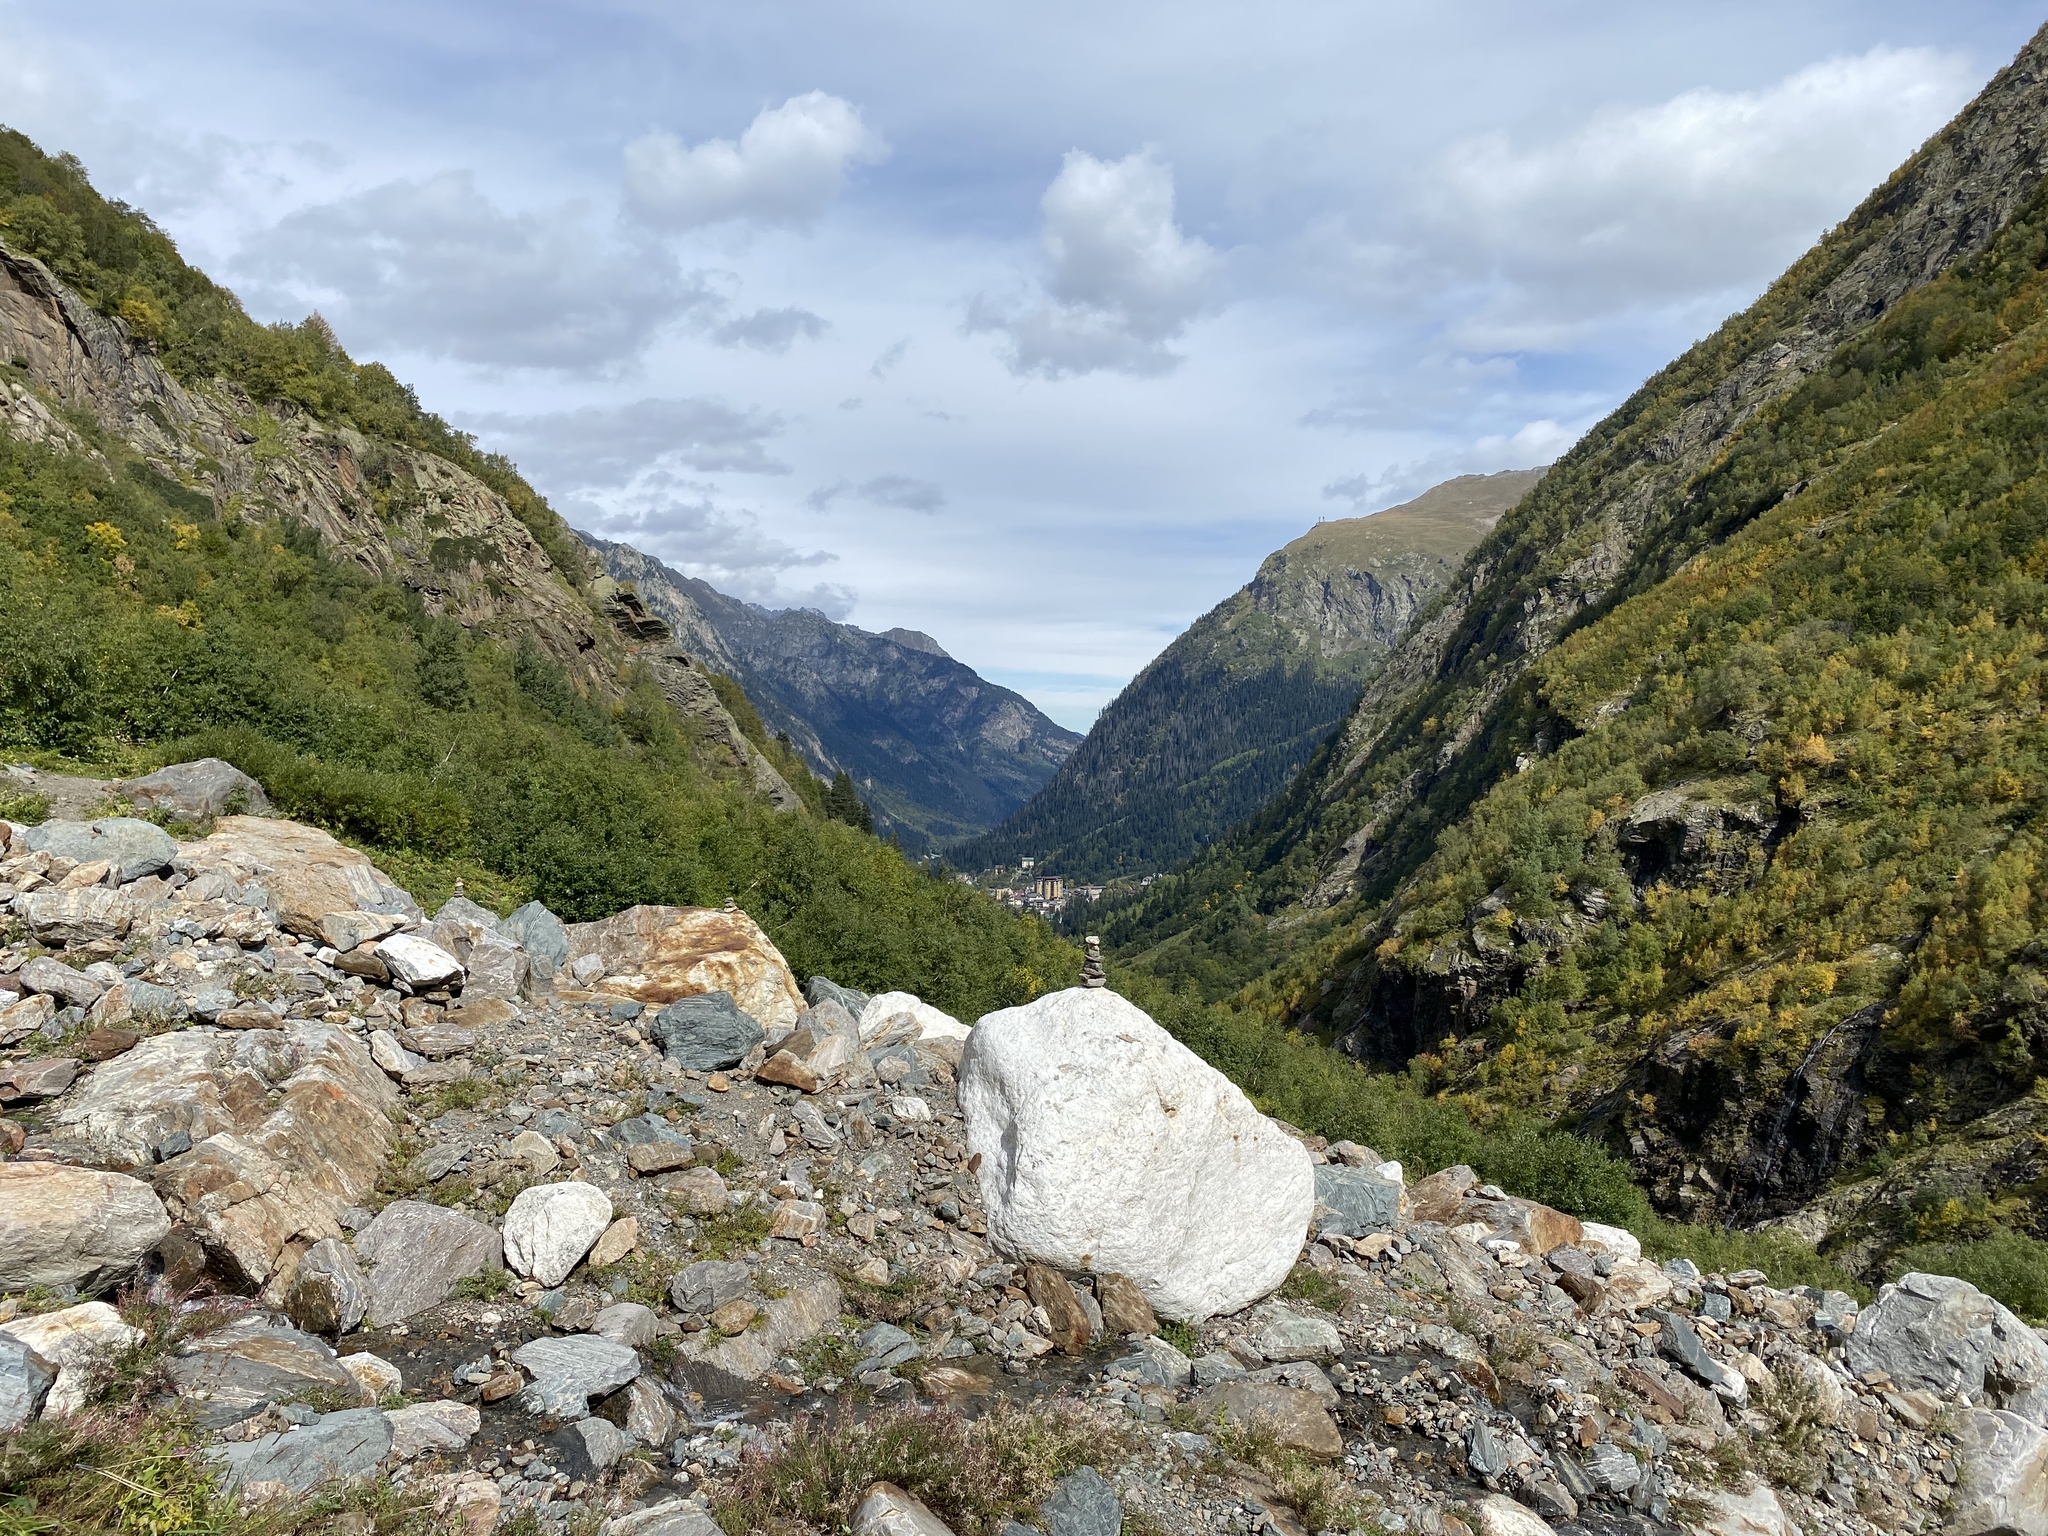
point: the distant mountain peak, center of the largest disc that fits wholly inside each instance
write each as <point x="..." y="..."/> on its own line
<point x="916" y="640"/>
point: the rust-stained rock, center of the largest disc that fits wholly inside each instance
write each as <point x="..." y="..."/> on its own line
<point x="1048" y="1288"/>
<point x="1438" y="1197"/>
<point x="659" y="954"/>
<point x="308" y="875"/>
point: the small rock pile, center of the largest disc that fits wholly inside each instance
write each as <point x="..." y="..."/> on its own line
<point x="539" y="1218"/>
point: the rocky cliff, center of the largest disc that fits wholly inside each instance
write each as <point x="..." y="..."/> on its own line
<point x="1225" y="716"/>
<point x="937" y="752"/>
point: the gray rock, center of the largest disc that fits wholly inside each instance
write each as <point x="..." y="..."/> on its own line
<point x="439" y="1161"/>
<point x="54" y="977"/>
<point x="540" y="933"/>
<point x="496" y="969"/>
<point x="225" y="1376"/>
<point x="887" y="1510"/>
<point x="74" y="1226"/>
<point x="568" y="1372"/>
<point x="706" y="1033"/>
<point x="328" y="1293"/>
<point x="1083" y="1504"/>
<point x="417" y="1253"/>
<point x="1290" y="1335"/>
<point x="643" y="1129"/>
<point x="25" y="1379"/>
<point x="709" y="1284"/>
<point x="337" y="1447"/>
<point x="1484" y="1453"/>
<point x="1611" y="1469"/>
<point x="819" y="988"/>
<point x="626" y="1322"/>
<point x="439" y="1428"/>
<point x="2006" y="1490"/>
<point x="195" y="791"/>
<point x="1716" y="1306"/>
<point x="1214" y="1368"/>
<point x="600" y="1442"/>
<point x="136" y="848"/>
<point x="1937" y="1334"/>
<point x="671" y="1517"/>
<point x="1679" y="1342"/>
<point x="1358" y="1200"/>
<point x="1156" y="1363"/>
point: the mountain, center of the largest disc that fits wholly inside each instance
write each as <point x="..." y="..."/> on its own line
<point x="1704" y="810"/>
<point x="938" y="752"/>
<point x="1224" y="717"/>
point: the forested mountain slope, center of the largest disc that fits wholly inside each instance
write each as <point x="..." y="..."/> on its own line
<point x="223" y="538"/>
<point x="938" y="752"/>
<point x="1702" y="811"/>
<point x="1215" y="726"/>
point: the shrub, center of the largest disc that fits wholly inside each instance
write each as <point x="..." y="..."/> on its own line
<point x="2007" y="1266"/>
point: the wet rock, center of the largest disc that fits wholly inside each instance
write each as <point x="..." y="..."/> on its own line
<point x="25" y="1381"/>
<point x="196" y="791"/>
<point x="226" y="1375"/>
<point x="328" y="1292"/>
<point x="706" y="1033"/>
<point x="340" y="1447"/>
<point x="567" y="1372"/>
<point x="74" y="1226"/>
<point x="660" y="954"/>
<point x="136" y="848"/>
<point x="1083" y="1504"/>
<point x="1297" y="1417"/>
<point x="551" y="1227"/>
<point x="1105" y="1143"/>
<point x="437" y="1429"/>
<point x="1944" y="1335"/>
<point x="417" y="1253"/>
<point x="886" y="1510"/>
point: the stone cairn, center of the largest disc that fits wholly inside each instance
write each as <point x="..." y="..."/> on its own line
<point x="1091" y="966"/>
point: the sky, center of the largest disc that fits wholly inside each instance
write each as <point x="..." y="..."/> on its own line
<point x="1032" y="327"/>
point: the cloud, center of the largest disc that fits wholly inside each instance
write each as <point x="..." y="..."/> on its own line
<point x="1673" y="204"/>
<point x="785" y="170"/>
<point x="883" y="491"/>
<point x="890" y="358"/>
<point x="770" y="330"/>
<point x="1122" y="280"/>
<point x="600" y="446"/>
<point x="435" y="267"/>
<point x="1537" y="442"/>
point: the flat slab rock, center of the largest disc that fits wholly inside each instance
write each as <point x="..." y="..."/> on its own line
<point x="337" y="1447"/>
<point x="414" y="1255"/>
<point x="568" y="1371"/>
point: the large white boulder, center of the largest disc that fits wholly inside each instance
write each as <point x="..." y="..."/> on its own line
<point x="1107" y="1145"/>
<point x="889" y="1017"/>
<point x="551" y="1226"/>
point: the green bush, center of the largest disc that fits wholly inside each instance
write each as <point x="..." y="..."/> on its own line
<point x="2009" y="1266"/>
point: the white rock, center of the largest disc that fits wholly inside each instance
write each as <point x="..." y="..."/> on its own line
<point x="1108" y="1145"/>
<point x="440" y="1427"/>
<point x="551" y="1226"/>
<point x="893" y="1016"/>
<point x="418" y="962"/>
<point x="1756" y="1512"/>
<point x="2006" y="1486"/>
<point x="75" y="1340"/>
<point x="1599" y="1238"/>
<point x="394" y="1058"/>
<point x="1497" y="1515"/>
<point x="889" y="1511"/>
<point x="378" y="1377"/>
<point x="910" y="1107"/>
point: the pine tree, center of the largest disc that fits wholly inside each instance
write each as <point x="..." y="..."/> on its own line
<point x="443" y="673"/>
<point x="843" y="803"/>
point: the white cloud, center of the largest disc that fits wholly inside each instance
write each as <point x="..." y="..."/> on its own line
<point x="770" y="330"/>
<point x="785" y="170"/>
<point x="900" y="491"/>
<point x="609" y="446"/>
<point x="1123" y="281"/>
<point x="890" y="358"/>
<point x="435" y="267"/>
<point x="1535" y="443"/>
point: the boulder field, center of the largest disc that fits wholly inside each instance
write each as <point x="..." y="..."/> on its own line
<point x="563" y="1223"/>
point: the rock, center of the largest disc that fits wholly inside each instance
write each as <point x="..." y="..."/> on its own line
<point x="652" y="1157"/>
<point x="1484" y="1453"/>
<point x="29" y="1016"/>
<point x="1288" y="1335"/>
<point x="1757" y="1512"/>
<point x="43" y="1078"/>
<point x="328" y="1292"/>
<point x="496" y="969"/>
<point x="660" y="954"/>
<point x="601" y="1442"/>
<point x="788" y="1321"/>
<point x="74" y="1226"/>
<point x="76" y="1340"/>
<point x="1297" y="1417"/>
<point x="817" y="1052"/>
<point x="2006" y="1490"/>
<point x="1083" y="1504"/>
<point x="796" y="1220"/>
<point x="417" y="1253"/>
<point x="1596" y="1237"/>
<point x="699" y="1191"/>
<point x="1679" y="1342"/>
<point x="377" y="1377"/>
<point x="440" y="1428"/>
<point x="105" y="1044"/>
<point x="569" y="1371"/>
<point x="129" y="1000"/>
<point x="820" y="988"/>
<point x="59" y="918"/>
<point x="389" y="1055"/>
<point x="136" y="848"/>
<point x="1944" y="1335"/>
<point x="1438" y="1197"/>
<point x="1611" y="1469"/>
<point x="670" y="1517"/>
<point x="341" y="1447"/>
<point x="1048" y="1288"/>
<point x="540" y="933"/>
<point x="75" y="988"/>
<point x="1537" y="1228"/>
<point x="709" y="1284"/>
<point x="535" y="1151"/>
<point x="898" y="1016"/>
<point x="25" y="1381"/>
<point x="650" y="1418"/>
<point x="195" y="791"/>
<point x="306" y="873"/>
<point x="886" y="1510"/>
<point x="1157" y="1363"/>
<point x="234" y="1370"/>
<point x="705" y="1033"/>
<point x="420" y="963"/>
<point x="344" y="931"/>
<point x="1106" y="1144"/>
<point x="1497" y="1515"/>
<point x="289" y="1129"/>
<point x="626" y="1322"/>
<point x="552" y="1226"/>
<point x="1358" y="1201"/>
<point x="1124" y="1307"/>
<point x="619" y="1239"/>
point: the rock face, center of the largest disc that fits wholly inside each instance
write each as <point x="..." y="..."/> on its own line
<point x="551" y="1226"/>
<point x="1106" y="1144"/>
<point x="660" y="954"/>
<point x="73" y="1226"/>
<point x="1944" y="1335"/>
